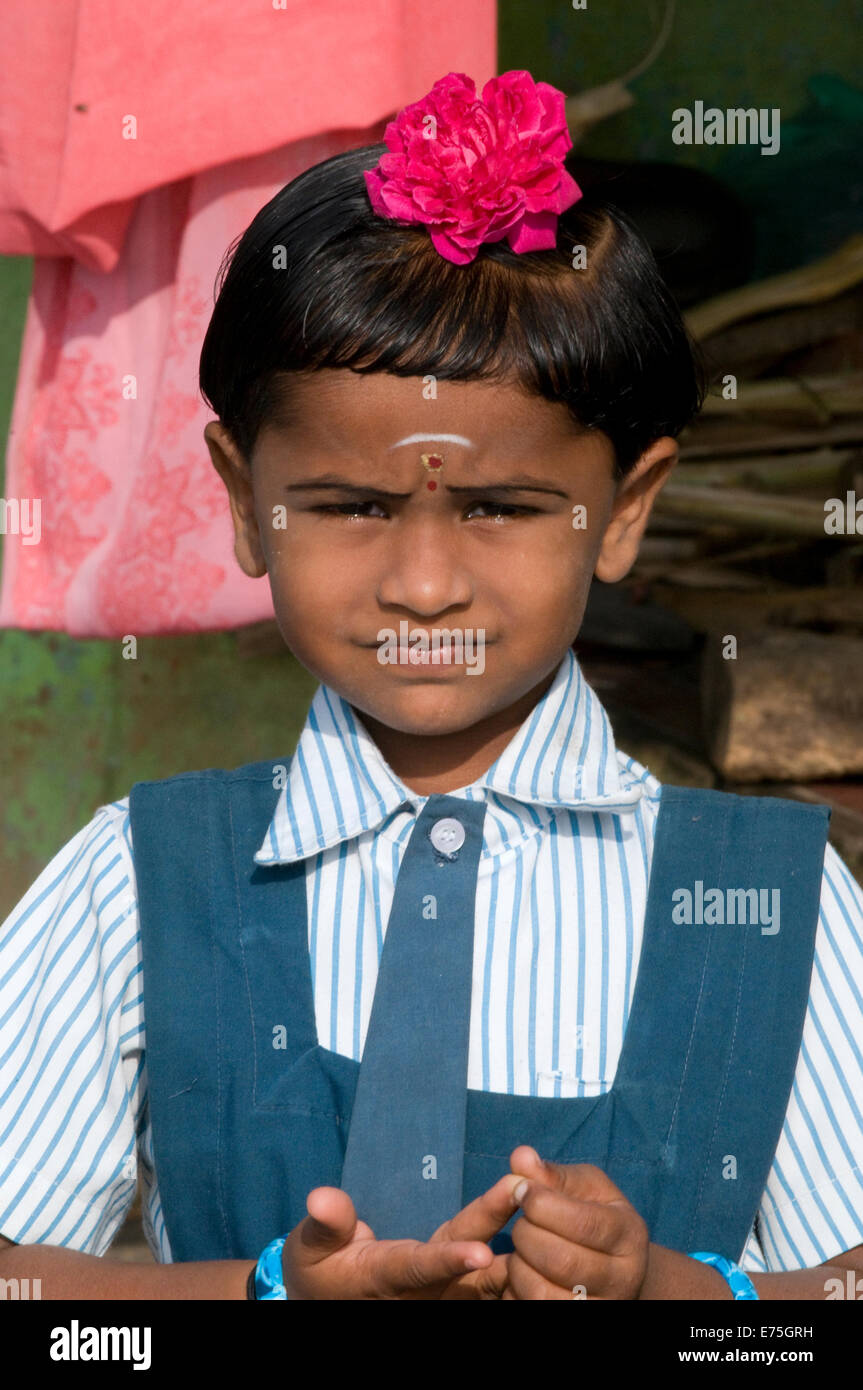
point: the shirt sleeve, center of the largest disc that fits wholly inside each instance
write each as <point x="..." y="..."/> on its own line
<point x="812" y="1208"/>
<point x="71" y="1053"/>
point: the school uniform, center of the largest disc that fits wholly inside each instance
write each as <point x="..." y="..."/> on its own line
<point x="714" y="1071"/>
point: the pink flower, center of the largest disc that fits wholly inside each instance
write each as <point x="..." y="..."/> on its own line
<point x="476" y="171"/>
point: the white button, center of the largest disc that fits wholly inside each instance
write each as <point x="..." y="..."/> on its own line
<point x="447" y="835"/>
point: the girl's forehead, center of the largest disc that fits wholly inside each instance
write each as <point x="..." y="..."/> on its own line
<point x="337" y="409"/>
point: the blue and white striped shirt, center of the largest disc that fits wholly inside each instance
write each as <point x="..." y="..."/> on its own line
<point x="561" y="895"/>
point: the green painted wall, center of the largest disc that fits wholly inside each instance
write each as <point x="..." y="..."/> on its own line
<point x="80" y="724"/>
<point x="737" y="53"/>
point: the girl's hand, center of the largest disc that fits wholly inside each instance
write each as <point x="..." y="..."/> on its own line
<point x="333" y="1255"/>
<point x="578" y="1235"/>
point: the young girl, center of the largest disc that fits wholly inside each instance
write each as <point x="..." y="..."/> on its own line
<point x="457" y="1001"/>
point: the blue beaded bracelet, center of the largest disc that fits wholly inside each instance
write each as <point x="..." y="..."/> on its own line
<point x="267" y="1278"/>
<point x="740" y="1284"/>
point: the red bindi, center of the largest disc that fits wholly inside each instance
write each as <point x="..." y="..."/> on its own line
<point x="432" y="463"/>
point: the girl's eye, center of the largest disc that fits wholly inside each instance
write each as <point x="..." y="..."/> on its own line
<point x="504" y="509"/>
<point x="498" y="510"/>
<point x="347" y="508"/>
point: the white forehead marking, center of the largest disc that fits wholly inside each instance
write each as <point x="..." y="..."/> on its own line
<point x="421" y="438"/>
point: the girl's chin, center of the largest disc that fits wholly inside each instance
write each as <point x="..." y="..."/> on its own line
<point x="425" y="710"/>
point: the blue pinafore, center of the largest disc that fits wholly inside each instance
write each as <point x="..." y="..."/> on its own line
<point x="243" y="1129"/>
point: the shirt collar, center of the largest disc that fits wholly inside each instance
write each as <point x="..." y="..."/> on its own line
<point x="339" y="784"/>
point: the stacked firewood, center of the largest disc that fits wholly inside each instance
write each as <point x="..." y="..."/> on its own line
<point x="756" y="542"/>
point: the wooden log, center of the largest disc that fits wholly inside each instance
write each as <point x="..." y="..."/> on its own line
<point x="776" y="473"/>
<point x="788" y="708"/>
<point x="739" y="553"/>
<point x="818" y="398"/>
<point x="806" y="284"/>
<point x="713" y="438"/>
<point x="791" y="335"/>
<point x="840" y="353"/>
<point x="749" y="511"/>
<point x="700" y="576"/>
<point x="665" y="551"/>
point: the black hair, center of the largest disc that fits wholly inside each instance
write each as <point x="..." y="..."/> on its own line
<point x="320" y="280"/>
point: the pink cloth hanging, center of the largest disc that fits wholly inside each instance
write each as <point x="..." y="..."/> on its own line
<point x="128" y="235"/>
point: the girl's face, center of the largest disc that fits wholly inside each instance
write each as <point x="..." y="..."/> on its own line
<point x="339" y="511"/>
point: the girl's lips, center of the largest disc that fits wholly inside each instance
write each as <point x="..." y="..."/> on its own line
<point x="444" y="656"/>
<point x="441" y="655"/>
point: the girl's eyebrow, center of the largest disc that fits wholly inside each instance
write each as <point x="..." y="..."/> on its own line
<point x="330" y="482"/>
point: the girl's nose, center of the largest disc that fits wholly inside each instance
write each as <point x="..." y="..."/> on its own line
<point x="424" y="572"/>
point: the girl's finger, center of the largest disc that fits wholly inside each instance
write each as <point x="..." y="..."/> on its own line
<point x="562" y="1263"/>
<point x="597" y="1225"/>
<point x="402" y="1266"/>
<point x="484" y="1217"/>
<point x="487" y="1283"/>
<point x="527" y="1283"/>
<point x="330" y="1225"/>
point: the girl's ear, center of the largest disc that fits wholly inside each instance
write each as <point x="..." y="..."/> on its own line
<point x="630" y="510"/>
<point x="235" y="473"/>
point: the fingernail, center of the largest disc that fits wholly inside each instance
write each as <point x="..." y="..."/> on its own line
<point x="519" y="1191"/>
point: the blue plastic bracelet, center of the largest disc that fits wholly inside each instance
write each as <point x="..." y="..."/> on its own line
<point x="269" y="1280"/>
<point x="740" y="1284"/>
